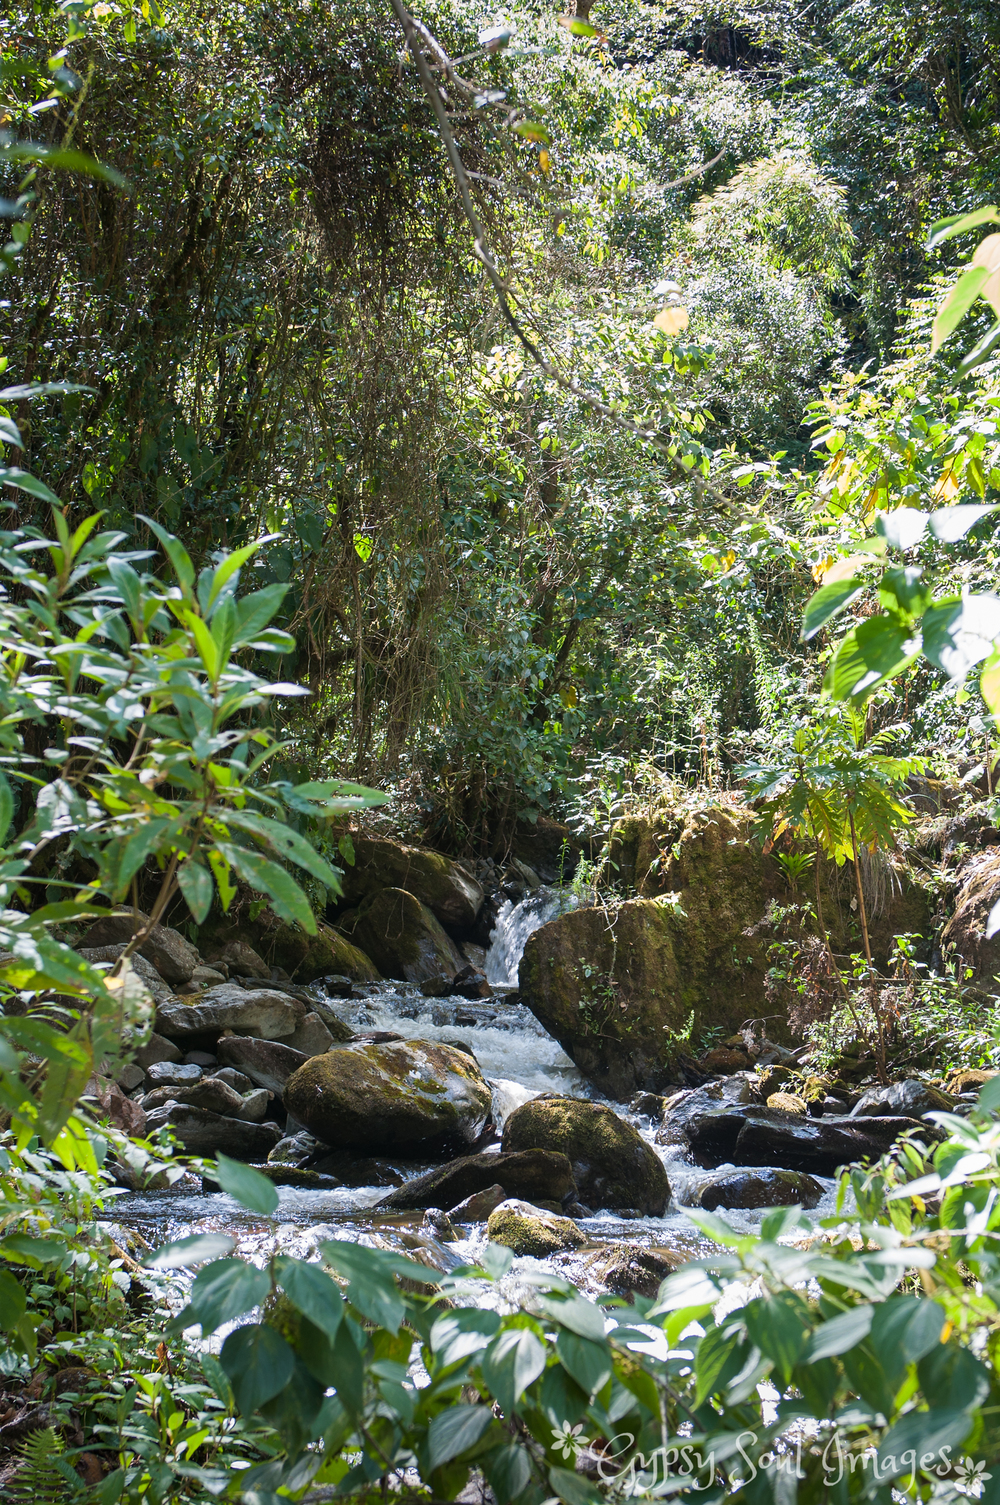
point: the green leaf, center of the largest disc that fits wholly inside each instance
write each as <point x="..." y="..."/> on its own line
<point x="6" y="807"/>
<point x="905" y="589"/>
<point x="138" y="848"/>
<point x="580" y="1316"/>
<point x="589" y="1363"/>
<point x="717" y="1359"/>
<point x="313" y="1292"/>
<point x="957" y="304"/>
<point x="224" y="1290"/>
<point x="64" y="158"/>
<point x="957" y="224"/>
<point x="902" y="529"/>
<point x="289" y="902"/>
<point x="533" y="130"/>
<point x="826" y="603"/>
<point x="778" y="1326"/>
<point x="920" y="1433"/>
<point x="508" y="1472"/>
<point x="989" y="683"/>
<point x="21" y="1246"/>
<point x="513" y="1361"/>
<point x="235" y="561"/>
<point x="989" y="1096"/>
<point x="186" y="1252"/>
<point x="573" y="1488"/>
<point x="195" y="882"/>
<point x="840" y="1333"/>
<point x="23" y="480"/>
<point x="287" y="843"/>
<point x="454" y="1431"/>
<point x="876" y="650"/>
<point x="715" y="1228"/>
<point x="951" y="524"/>
<point x="247" y="1186"/>
<point x="13" y="1301"/>
<point x="259" y="1364"/>
<point x="176" y="553"/>
<point x="255" y="611"/>
<point x="959" y="634"/>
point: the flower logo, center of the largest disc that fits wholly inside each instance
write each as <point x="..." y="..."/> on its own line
<point x="569" y="1442"/>
<point x="971" y="1476"/>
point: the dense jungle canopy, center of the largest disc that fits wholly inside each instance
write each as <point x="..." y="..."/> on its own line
<point x="502" y="599"/>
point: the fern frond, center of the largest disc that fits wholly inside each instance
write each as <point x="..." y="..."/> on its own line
<point x="44" y="1477"/>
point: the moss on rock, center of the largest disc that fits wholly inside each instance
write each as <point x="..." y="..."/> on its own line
<point x="404" y="938"/>
<point x="612" y="1164"/>
<point x="531" y="1230"/>
<point x="450" y="892"/>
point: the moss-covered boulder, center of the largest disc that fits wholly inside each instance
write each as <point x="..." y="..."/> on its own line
<point x="630" y="1271"/>
<point x="532" y="1230"/>
<point x="447" y="889"/>
<point x="613" y="1166"/>
<point x="965" y="932"/>
<point x="306" y="957"/>
<point x="404" y="938"/>
<point x="412" y="1095"/>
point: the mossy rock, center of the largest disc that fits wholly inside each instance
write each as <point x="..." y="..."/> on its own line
<point x="613" y="1166"/>
<point x="404" y="938"/>
<point x="788" y="1102"/>
<point x="307" y="957"/>
<point x="397" y="1095"/>
<point x="527" y="1229"/>
<point x="444" y="886"/>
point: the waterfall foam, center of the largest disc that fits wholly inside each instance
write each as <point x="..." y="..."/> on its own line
<point x="515" y="923"/>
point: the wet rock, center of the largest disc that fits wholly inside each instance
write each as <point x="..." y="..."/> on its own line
<point x="294" y="1149"/>
<point x="474" y="955"/>
<point x="106" y="956"/>
<point x="724" y="1060"/>
<point x="754" y="1188"/>
<point x="157" y="1048"/>
<point x="439" y="1225"/>
<point x="471" y="983"/>
<point x="204" y="1133"/>
<point x="531" y="1230"/>
<point x="685" y="1107"/>
<point x="173" y="957"/>
<point x="788" y="1102"/>
<point x="965" y="932"/>
<point x="173" y="1074"/>
<point x="304" y="1179"/>
<point x="311" y="1036"/>
<point x="404" y="938"/>
<point x="370" y="1170"/>
<point x="437" y="987"/>
<point x="535" y="1175"/>
<point x="775" y="1078"/>
<point x="648" y="1104"/>
<point x="263" y="1013"/>
<point x="109" y="1102"/>
<point x="379" y="1098"/>
<point x="340" y="1033"/>
<point x="968" y="1081"/>
<point x="241" y="960"/>
<point x="911" y="1098"/>
<point x="235" y="1079"/>
<point x="548" y="847"/>
<point x="268" y="1063"/>
<point x="307" y="957"/>
<point x="613" y="1166"/>
<point x="630" y="1271"/>
<point x="255" y="1105"/>
<point x="477" y="1208"/>
<point x="817" y="1145"/>
<point x="338" y="987"/>
<point x="215" y="1096"/>
<point x="444" y="886"/>
<point x="207" y="977"/>
<point x="130" y="1076"/>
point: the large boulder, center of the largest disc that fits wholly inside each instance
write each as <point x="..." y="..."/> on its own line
<point x="205" y="1133"/>
<point x="241" y="960"/>
<point x="404" y="938"/>
<point x="444" y="886"/>
<point x="965" y="932"/>
<point x="173" y="957"/>
<point x="911" y="1099"/>
<point x="266" y="1062"/>
<point x="752" y="1189"/>
<point x="761" y="1136"/>
<point x="327" y="953"/>
<point x="535" y="1175"/>
<point x="547" y="846"/>
<point x="413" y="1095"/>
<point x="613" y="1166"/>
<point x="260" y="1011"/>
<point x="532" y="1230"/>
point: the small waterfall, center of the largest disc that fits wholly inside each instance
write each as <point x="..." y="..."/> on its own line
<point x="515" y="923"/>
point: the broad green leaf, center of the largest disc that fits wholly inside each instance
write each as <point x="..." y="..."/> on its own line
<point x="13" y="1301"/>
<point x="533" y="130"/>
<point x="313" y="1292"/>
<point x="579" y="1315"/>
<point x="224" y="1290"/>
<point x="23" y="480"/>
<point x="208" y="649"/>
<point x="176" y="553"/>
<point x="778" y="1326"/>
<point x="957" y="304"/>
<point x="840" y="1333"/>
<point x="573" y="1488"/>
<point x="989" y="683"/>
<point x="246" y="1186"/>
<point x="825" y="604"/>
<point x="513" y="1361"/>
<point x="920" y="1433"/>
<point x="138" y="848"/>
<point x="902" y="529"/>
<point x="457" y="1334"/>
<point x="951" y="524"/>
<point x="186" y="1252"/>
<point x="195" y="883"/>
<point x="957" y="224"/>
<point x="508" y="1472"/>
<point x="254" y="612"/>
<point x="717" y="1352"/>
<point x="6" y="807"/>
<point x="876" y="650"/>
<point x="989" y="1095"/>
<point x="259" y="1364"/>
<point x="454" y="1431"/>
<point x="289" y="902"/>
<point x="287" y="843"/>
<point x="589" y="1363"/>
<point x="905" y="589"/>
<point x="64" y="158"/>
<point x="959" y="634"/>
<point x="21" y="1246"/>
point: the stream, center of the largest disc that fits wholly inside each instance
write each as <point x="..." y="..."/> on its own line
<point x="518" y="1058"/>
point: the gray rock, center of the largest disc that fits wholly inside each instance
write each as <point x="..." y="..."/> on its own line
<point x="404" y="938"/>
<point x="532" y="1230"/>
<point x="754" y="1188"/>
<point x="438" y="1224"/>
<point x="311" y="1036"/>
<point x="204" y="977"/>
<point x="336" y="986"/>
<point x="235" y="1079"/>
<point x="200" y="1058"/>
<point x="477" y="1208"/>
<point x="685" y="1107"/>
<point x="294" y="1149"/>
<point x="260" y="1012"/>
<point x="173" y="1074"/>
<point x="130" y="1076"/>
<point x="173" y="957"/>
<point x="241" y="960"/>
<point x="204" y="1133"/>
<point x="108" y="955"/>
<point x="534" y="1175"/>
<point x="267" y="1063"/>
<point x="448" y="890"/>
<point x="255" y="1105"/>
<point x="157" y="1048"/>
<point x="216" y="1096"/>
<point x="761" y="1136"/>
<point x="911" y="1098"/>
<point x="613" y="1166"/>
<point x="630" y="1271"/>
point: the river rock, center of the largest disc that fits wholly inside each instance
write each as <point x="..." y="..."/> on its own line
<point x="535" y="1175"/>
<point x="173" y="1074"/>
<point x="693" y="1103"/>
<point x="109" y="1102"/>
<point x="613" y="1166"/>
<point x="965" y="932"/>
<point x="547" y="846"/>
<point x="306" y="957"/>
<point x="340" y="1033"/>
<point x="235" y="1079"/>
<point x="788" y="1102"/>
<point x="107" y="955"/>
<point x="532" y="1230"/>
<point x="754" y="1188"/>
<point x="911" y="1098"/>
<point x="968" y="1080"/>
<point x="629" y="1271"/>
<point x="255" y="1105"/>
<point x="241" y="960"/>
<point x="294" y="1149"/>
<point x="268" y="1063"/>
<point x="173" y="957"/>
<point x="204" y="1133"/>
<point x="398" y="1095"/>
<point x="217" y="1097"/>
<point x="444" y="886"/>
<point x="263" y="1013"/>
<point x="759" y="1136"/>
<point x="311" y="1036"/>
<point x="477" y="1208"/>
<point x="157" y="1048"/>
<point x="404" y="938"/>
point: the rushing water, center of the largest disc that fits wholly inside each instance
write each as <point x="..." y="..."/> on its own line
<point x="515" y="923"/>
<point x="519" y="1059"/>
